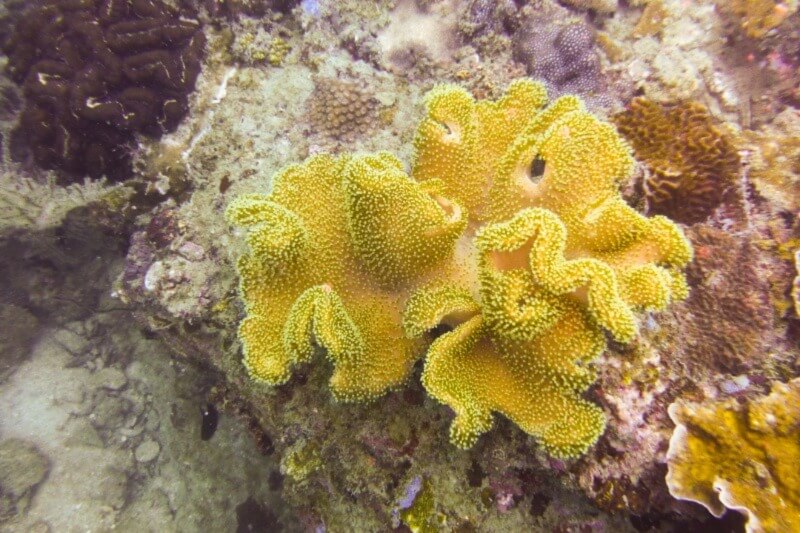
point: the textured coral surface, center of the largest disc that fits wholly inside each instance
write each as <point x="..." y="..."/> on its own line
<point x="561" y="52"/>
<point x="342" y="109"/>
<point x="305" y="274"/>
<point x="742" y="457"/>
<point x="94" y="73"/>
<point x="757" y="17"/>
<point x="691" y="163"/>
<point x="487" y="238"/>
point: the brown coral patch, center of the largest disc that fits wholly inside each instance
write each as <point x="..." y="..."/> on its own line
<point x="342" y="110"/>
<point x="691" y="164"/>
<point x="726" y="323"/>
<point x="95" y="73"/>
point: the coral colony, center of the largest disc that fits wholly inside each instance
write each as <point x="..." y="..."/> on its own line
<point x="590" y="276"/>
<point x="692" y="165"/>
<point x="509" y="230"/>
<point x="726" y="455"/>
<point x="94" y="73"/>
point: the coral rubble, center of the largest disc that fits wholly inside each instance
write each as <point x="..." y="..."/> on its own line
<point x="486" y="237"/>
<point x="743" y="457"/>
<point x="95" y="73"/>
<point x="691" y="164"/>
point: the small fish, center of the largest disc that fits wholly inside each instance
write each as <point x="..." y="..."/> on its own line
<point x="209" y="422"/>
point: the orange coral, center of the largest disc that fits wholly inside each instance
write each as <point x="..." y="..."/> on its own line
<point x="691" y="163"/>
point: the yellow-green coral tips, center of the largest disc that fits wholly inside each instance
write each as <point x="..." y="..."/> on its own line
<point x="431" y="306"/>
<point x="510" y="230"/>
<point x="469" y="372"/>
<point x="332" y="251"/>
<point x="399" y="230"/>
<point x="275" y="235"/>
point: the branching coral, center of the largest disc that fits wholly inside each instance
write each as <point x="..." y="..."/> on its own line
<point x="725" y="455"/>
<point x="691" y="163"/>
<point x="511" y="231"/>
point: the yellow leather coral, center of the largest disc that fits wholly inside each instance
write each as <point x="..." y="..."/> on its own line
<point x="510" y="230"/>
<point x="560" y="258"/>
<point x="743" y="457"/>
<point x="331" y="249"/>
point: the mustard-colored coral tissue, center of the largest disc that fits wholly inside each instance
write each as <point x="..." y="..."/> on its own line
<point x="510" y="230"/>
<point x="743" y="457"/>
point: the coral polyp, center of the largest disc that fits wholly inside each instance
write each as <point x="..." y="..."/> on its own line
<point x="510" y="229"/>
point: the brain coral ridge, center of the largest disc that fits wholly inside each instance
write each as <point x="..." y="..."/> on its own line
<point x="692" y="165"/>
<point x="94" y="73"/>
<point x="509" y="230"/>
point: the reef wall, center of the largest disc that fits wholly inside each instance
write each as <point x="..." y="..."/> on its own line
<point x="481" y="248"/>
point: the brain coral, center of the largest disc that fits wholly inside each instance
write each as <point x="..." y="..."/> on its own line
<point x="691" y="163"/>
<point x="510" y="230"/>
<point x="743" y="457"/>
<point x="96" y="72"/>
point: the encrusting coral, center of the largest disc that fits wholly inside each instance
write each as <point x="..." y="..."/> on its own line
<point x="691" y="163"/>
<point x="726" y="455"/>
<point x="342" y="109"/>
<point x="757" y="17"/>
<point x="562" y="52"/>
<point x="510" y="230"/>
